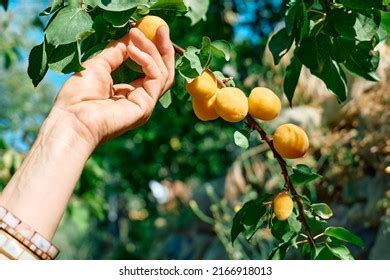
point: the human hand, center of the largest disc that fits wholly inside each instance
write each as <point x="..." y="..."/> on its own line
<point x="101" y="110"/>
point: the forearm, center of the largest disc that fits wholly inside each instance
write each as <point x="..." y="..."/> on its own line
<point x="40" y="190"/>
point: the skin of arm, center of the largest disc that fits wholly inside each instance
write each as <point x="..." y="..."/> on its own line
<point x="88" y="111"/>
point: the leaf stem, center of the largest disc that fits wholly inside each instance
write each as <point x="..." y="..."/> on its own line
<point x="318" y="235"/>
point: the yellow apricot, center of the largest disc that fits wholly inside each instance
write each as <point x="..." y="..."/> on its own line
<point x="204" y="86"/>
<point x="290" y="141"/>
<point x="264" y="104"/>
<point x="231" y="104"/>
<point x="149" y="25"/>
<point x="204" y="109"/>
<point x="283" y="206"/>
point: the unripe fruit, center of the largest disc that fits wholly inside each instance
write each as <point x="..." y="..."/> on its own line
<point x="149" y="25"/>
<point x="290" y="141"/>
<point x="204" y="86"/>
<point x="204" y="109"/>
<point x="283" y="206"/>
<point x="264" y="104"/>
<point x="231" y="104"/>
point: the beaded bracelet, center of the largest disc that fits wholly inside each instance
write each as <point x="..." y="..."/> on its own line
<point x="12" y="249"/>
<point x="25" y="235"/>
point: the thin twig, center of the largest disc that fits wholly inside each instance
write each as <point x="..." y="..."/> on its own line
<point x="179" y="50"/>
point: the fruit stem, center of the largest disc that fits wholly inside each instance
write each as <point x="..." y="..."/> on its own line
<point x="283" y="166"/>
<point x="179" y="50"/>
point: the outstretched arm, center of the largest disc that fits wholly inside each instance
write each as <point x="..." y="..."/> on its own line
<point x="88" y="111"/>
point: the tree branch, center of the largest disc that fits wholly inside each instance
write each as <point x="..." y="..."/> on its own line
<point x="282" y="163"/>
<point x="288" y="185"/>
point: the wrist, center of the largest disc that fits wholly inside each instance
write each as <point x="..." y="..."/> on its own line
<point x="64" y="130"/>
<point x="39" y="191"/>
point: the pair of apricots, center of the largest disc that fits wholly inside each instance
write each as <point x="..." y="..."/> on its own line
<point x="210" y="102"/>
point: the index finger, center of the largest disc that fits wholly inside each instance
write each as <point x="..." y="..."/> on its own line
<point x="165" y="47"/>
<point x="113" y="55"/>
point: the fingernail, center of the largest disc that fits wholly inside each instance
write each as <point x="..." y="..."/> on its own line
<point x="136" y="30"/>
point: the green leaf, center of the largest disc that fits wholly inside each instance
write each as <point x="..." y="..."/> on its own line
<point x="294" y="224"/>
<point x="248" y="217"/>
<point x="363" y="61"/>
<point x="279" y="252"/>
<point x="55" y="6"/>
<point x="179" y="88"/>
<point x="78" y="25"/>
<point x="96" y="49"/>
<point x="291" y="78"/>
<point x="221" y="48"/>
<point x="241" y="138"/>
<point x="205" y="52"/>
<point x="37" y="64"/>
<point x="322" y="210"/>
<point x="66" y="59"/>
<point x="197" y="10"/>
<point x="334" y="78"/>
<point x="308" y="252"/>
<point x="92" y="3"/>
<point x="166" y="99"/>
<point x="169" y="5"/>
<point x="237" y="226"/>
<point x="120" y="5"/>
<point x="280" y="229"/>
<point x="132" y="65"/>
<point x="279" y="45"/>
<point x="361" y="4"/>
<point x="194" y="61"/>
<point x="361" y="25"/>
<point x="302" y="174"/>
<point x="291" y="15"/>
<point x="343" y="234"/>
<point x="302" y="23"/>
<point x="324" y="253"/>
<point x="118" y="19"/>
<point x="342" y="48"/>
<point x="341" y="252"/>
<point x="189" y="65"/>
<point x="386" y="21"/>
<point x="253" y="220"/>
<point x="314" y="52"/>
<point x="297" y="22"/>
<point x="315" y="223"/>
<point x="124" y="74"/>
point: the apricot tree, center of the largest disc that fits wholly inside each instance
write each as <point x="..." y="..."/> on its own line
<point x="326" y="36"/>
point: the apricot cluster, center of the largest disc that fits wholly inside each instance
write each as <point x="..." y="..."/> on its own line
<point x="231" y="104"/>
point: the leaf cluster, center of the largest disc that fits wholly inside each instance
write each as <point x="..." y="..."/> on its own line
<point x="330" y="242"/>
<point x="331" y="37"/>
<point x="78" y="30"/>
